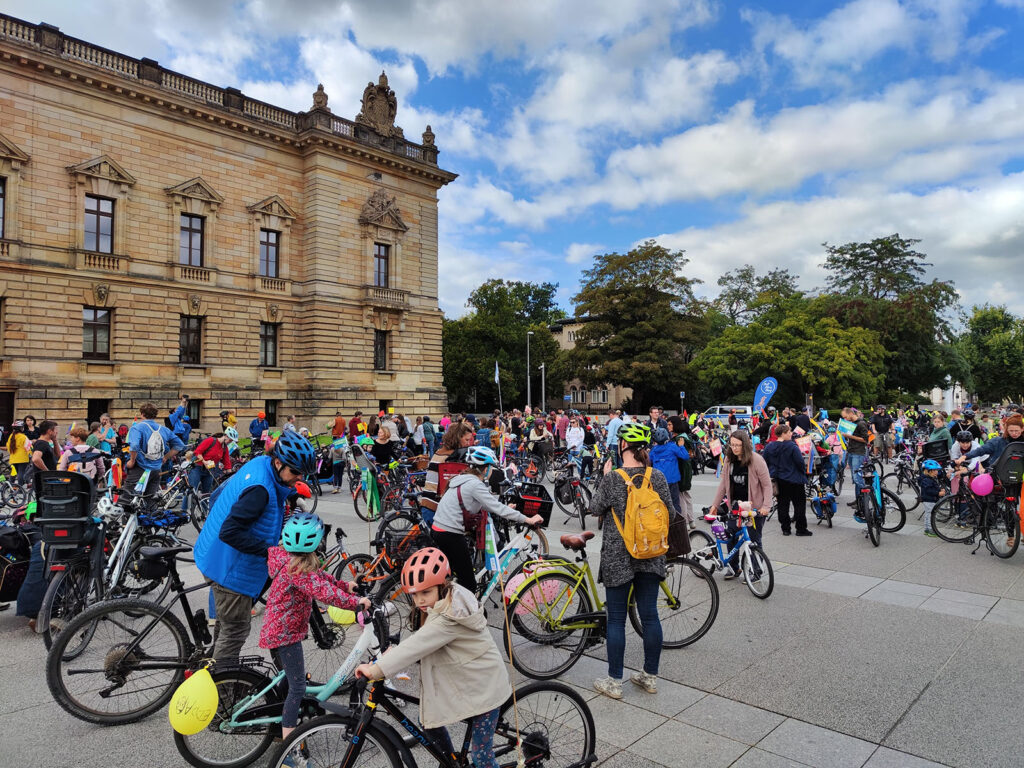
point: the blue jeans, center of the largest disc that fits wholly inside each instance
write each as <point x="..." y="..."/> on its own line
<point x="855" y="461"/>
<point x="201" y="479"/>
<point x="339" y="474"/>
<point x="290" y="659"/>
<point x="645" y="590"/>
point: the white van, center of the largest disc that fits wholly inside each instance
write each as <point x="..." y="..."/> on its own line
<point x="721" y="413"/>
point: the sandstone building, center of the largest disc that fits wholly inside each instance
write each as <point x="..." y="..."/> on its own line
<point x="160" y="235"/>
<point x="574" y="394"/>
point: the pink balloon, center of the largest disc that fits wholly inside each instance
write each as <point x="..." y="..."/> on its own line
<point x="982" y="485"/>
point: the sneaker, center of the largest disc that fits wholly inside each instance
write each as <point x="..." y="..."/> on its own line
<point x="609" y="687"/>
<point x="804" y="533"/>
<point x="859" y="518"/>
<point x="731" y="573"/>
<point x="787" y="532"/>
<point x="932" y="534"/>
<point x="336" y="490"/>
<point x="646" y="681"/>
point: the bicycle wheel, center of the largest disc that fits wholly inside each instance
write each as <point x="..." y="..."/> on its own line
<point x="69" y="593"/>
<point x="353" y="567"/>
<point x="904" y="488"/>
<point x="217" y="745"/>
<point x="837" y="486"/>
<point x="360" y="504"/>
<point x="757" y="572"/>
<point x="327" y="645"/>
<point x="390" y="589"/>
<point x="14" y="495"/>
<point x="893" y="515"/>
<point x="869" y="509"/>
<point x="541" y="638"/>
<point x="111" y="679"/>
<point x="955" y="520"/>
<point x="581" y="504"/>
<point x="130" y="585"/>
<point x="554" y="723"/>
<point x="323" y="742"/>
<point x="566" y="505"/>
<point x="1001" y="528"/>
<point x="687" y="604"/>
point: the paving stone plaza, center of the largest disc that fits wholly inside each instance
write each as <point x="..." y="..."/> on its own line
<point x="903" y="656"/>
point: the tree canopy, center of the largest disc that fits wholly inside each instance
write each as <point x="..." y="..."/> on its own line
<point x="993" y="346"/>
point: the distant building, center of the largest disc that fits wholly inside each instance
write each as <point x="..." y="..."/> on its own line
<point x="160" y="235"/>
<point x="595" y="401"/>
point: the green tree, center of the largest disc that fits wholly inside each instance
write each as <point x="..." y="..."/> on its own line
<point x="993" y="345"/>
<point x="745" y="295"/>
<point x="878" y="285"/>
<point x="643" y="324"/>
<point x="495" y="330"/>
<point x="808" y="354"/>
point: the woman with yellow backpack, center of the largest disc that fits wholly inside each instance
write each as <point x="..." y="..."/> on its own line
<point x="633" y="549"/>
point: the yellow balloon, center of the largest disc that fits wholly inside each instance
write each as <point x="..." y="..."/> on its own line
<point x="194" y="704"/>
<point x="340" y="615"/>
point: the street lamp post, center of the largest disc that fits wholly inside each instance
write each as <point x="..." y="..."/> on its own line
<point x="528" y="376"/>
<point x="543" y="393"/>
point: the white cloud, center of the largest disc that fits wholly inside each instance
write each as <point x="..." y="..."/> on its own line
<point x="580" y="252"/>
<point x="974" y="236"/>
<point x="843" y="41"/>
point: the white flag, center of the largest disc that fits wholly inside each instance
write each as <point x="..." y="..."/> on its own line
<point x="496" y="372"/>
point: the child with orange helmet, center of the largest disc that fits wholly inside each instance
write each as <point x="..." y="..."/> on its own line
<point x="462" y="674"/>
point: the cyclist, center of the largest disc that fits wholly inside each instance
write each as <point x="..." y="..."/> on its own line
<point x="17" y="447"/>
<point x="147" y="439"/>
<point x="467" y="496"/>
<point x="745" y="478"/>
<point x="245" y="521"/>
<point x="462" y="674"/>
<point x="964" y="444"/>
<point x="856" y="451"/>
<point x="666" y="457"/>
<point x="258" y="429"/>
<point x="788" y="469"/>
<point x="298" y="579"/>
<point x="1013" y="428"/>
<point x="882" y="428"/>
<point x="212" y="457"/>
<point x="621" y="572"/>
<point x="455" y="441"/>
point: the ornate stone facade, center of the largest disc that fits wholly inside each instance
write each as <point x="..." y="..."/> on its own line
<point x="82" y="124"/>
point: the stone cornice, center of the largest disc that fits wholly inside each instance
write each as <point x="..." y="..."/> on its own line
<point x="45" y="49"/>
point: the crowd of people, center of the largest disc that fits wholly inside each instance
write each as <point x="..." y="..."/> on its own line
<point x="247" y="540"/>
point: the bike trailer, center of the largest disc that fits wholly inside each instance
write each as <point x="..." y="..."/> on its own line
<point x="824" y="504"/>
<point x="64" y="503"/>
<point x="936" y="449"/>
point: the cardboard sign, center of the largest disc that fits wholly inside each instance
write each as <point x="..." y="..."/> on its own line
<point x="716" y="447"/>
<point x="805" y="444"/>
<point x="846" y="426"/>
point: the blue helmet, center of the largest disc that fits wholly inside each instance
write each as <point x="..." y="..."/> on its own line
<point x="481" y="456"/>
<point x="295" y="452"/>
<point x="302" y="532"/>
<point x="931" y="464"/>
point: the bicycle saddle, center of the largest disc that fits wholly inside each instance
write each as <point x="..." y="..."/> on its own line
<point x="576" y="541"/>
<point x="161" y="552"/>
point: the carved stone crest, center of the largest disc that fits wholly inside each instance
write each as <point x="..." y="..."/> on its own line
<point x="195" y="302"/>
<point x="100" y="292"/>
<point x="320" y="97"/>
<point x="272" y="311"/>
<point x="379" y="108"/>
<point x="382" y="210"/>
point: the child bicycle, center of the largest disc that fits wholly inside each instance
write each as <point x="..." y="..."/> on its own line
<point x="555" y="612"/>
<point x="755" y="566"/>
<point x="547" y="725"/>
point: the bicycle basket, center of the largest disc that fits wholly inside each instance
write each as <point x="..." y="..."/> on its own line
<point x="534" y="499"/>
<point x="401" y="544"/>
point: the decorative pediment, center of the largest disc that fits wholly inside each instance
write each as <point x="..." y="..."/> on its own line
<point x="196" y="188"/>
<point x="10" y="151"/>
<point x="380" y="105"/>
<point x="381" y="210"/>
<point x="102" y="167"/>
<point x="272" y="206"/>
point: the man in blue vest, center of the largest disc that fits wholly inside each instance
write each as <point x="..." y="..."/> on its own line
<point x="246" y="517"/>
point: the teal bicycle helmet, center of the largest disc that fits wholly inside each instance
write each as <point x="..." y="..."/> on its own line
<point x="232" y="434"/>
<point x="302" y="533"/>
<point x="480" y="456"/>
<point x="295" y="452"/>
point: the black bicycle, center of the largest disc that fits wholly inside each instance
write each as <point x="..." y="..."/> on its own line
<point x="880" y="508"/>
<point x="549" y="724"/>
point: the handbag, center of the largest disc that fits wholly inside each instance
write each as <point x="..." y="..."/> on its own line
<point x="473" y="521"/>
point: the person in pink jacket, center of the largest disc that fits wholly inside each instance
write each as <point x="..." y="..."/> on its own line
<point x="298" y="580"/>
<point x="745" y="478"/>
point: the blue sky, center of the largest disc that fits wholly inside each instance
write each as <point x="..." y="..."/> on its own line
<point x="740" y="132"/>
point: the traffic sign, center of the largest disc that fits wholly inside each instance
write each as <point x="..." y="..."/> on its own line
<point x="682" y="395"/>
<point x="567" y="398"/>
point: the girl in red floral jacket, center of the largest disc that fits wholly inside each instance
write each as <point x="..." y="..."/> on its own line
<point x="298" y="580"/>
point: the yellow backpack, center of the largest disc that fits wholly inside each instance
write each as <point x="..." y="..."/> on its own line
<point x="645" y="530"/>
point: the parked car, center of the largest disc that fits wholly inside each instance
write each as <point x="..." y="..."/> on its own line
<point x="721" y="412"/>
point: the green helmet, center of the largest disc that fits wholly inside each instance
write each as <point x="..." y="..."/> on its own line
<point x="635" y="434"/>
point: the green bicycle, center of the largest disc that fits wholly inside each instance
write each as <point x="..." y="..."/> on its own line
<point x="555" y="611"/>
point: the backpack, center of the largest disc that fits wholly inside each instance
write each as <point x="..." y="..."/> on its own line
<point x="645" y="529"/>
<point x="155" y="448"/>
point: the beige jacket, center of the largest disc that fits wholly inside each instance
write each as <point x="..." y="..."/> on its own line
<point x="462" y="673"/>
<point x="759" y="484"/>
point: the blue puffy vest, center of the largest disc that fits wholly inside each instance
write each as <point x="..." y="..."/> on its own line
<point x="239" y="571"/>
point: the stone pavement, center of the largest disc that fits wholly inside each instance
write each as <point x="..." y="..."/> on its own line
<point x="904" y="655"/>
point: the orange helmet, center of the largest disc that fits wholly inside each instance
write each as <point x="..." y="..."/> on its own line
<point x="425" y="569"/>
<point x="261" y="415"/>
